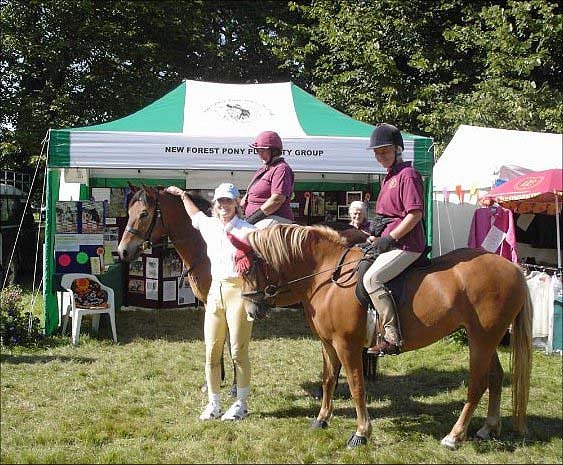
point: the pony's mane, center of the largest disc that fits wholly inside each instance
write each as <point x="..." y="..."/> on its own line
<point x="282" y="244"/>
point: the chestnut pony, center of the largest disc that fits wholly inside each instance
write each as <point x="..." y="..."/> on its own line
<point x="480" y="291"/>
<point x="155" y="214"/>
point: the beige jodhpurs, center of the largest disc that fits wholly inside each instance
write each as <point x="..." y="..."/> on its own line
<point x="386" y="266"/>
<point x="225" y="312"/>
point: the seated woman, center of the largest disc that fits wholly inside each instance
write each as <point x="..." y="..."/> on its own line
<point x="358" y="216"/>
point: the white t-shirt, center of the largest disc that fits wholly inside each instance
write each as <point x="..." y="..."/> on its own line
<point x="220" y="250"/>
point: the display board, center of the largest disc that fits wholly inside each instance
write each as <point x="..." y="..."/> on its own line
<point x="151" y="281"/>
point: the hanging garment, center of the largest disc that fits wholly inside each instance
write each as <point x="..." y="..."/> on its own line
<point x="541" y="291"/>
<point x="492" y="228"/>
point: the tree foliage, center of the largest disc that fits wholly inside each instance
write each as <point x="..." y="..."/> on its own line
<point x="71" y="63"/>
<point x="431" y="69"/>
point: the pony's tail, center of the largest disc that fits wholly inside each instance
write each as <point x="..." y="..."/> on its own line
<point x="521" y="362"/>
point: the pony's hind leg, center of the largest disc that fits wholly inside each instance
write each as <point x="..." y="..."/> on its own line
<point x="479" y="363"/>
<point x="492" y="425"/>
<point x="331" y="370"/>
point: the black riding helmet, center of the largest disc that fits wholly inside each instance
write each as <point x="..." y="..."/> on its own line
<point x="385" y="134"/>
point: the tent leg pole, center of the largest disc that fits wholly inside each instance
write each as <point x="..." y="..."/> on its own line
<point x="558" y="231"/>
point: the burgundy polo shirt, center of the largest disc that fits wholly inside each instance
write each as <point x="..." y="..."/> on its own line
<point x="402" y="192"/>
<point x="278" y="179"/>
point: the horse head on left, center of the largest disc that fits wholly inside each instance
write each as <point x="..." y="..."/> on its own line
<point x="145" y="225"/>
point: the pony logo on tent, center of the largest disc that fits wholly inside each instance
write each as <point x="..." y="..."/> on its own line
<point x="239" y="110"/>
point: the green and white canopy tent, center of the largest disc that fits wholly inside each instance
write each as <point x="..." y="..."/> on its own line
<point x="199" y="133"/>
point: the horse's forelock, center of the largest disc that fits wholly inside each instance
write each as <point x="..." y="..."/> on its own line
<point x="139" y="196"/>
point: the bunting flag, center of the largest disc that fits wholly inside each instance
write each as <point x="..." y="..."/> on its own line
<point x="446" y="194"/>
<point x="459" y="192"/>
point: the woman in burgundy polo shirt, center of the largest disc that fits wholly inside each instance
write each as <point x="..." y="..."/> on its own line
<point x="397" y="230"/>
<point x="266" y="201"/>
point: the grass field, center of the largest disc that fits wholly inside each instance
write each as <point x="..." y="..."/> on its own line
<point x="139" y="401"/>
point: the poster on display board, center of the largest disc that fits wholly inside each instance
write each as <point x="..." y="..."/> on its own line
<point x="171" y="264"/>
<point x="352" y="196"/>
<point x="185" y="293"/>
<point x="136" y="286"/>
<point x="84" y="217"/>
<point x="151" y="267"/>
<point x="92" y="217"/>
<point x="151" y="289"/>
<point x="67" y="217"/>
<point x="137" y="268"/>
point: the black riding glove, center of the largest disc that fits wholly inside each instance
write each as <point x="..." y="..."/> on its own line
<point x="386" y="243"/>
<point x="256" y="216"/>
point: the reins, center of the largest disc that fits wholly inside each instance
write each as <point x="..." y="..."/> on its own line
<point x="272" y="290"/>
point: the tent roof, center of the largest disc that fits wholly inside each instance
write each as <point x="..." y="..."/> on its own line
<point x="205" y="125"/>
<point x="475" y="155"/>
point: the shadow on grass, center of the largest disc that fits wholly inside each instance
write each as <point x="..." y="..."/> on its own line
<point x="187" y="324"/>
<point x="410" y="415"/>
<point x="34" y="359"/>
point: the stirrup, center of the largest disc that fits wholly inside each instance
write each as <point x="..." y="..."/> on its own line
<point x="384" y="348"/>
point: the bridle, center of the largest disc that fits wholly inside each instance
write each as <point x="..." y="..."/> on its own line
<point x="156" y="215"/>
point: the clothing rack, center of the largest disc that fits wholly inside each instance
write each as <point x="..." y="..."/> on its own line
<point x="547" y="269"/>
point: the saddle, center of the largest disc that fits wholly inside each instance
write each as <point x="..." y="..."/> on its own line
<point x="396" y="285"/>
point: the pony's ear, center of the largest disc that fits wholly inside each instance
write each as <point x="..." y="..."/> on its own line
<point x="151" y="193"/>
<point x="132" y="187"/>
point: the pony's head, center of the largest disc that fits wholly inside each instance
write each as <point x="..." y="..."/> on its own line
<point x="278" y="253"/>
<point x="147" y="224"/>
<point x="144" y="226"/>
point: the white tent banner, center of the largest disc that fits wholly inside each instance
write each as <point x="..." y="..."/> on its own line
<point x="157" y="150"/>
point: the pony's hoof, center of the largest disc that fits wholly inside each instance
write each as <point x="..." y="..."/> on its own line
<point x="319" y="424"/>
<point x="356" y="441"/>
<point x="449" y="443"/>
<point x="487" y="432"/>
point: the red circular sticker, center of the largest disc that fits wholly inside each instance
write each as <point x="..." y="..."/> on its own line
<point x="64" y="260"/>
<point x="100" y="251"/>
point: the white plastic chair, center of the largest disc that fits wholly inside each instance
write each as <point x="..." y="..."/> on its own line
<point x="76" y="312"/>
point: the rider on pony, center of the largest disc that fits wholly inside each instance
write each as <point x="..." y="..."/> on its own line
<point x="397" y="231"/>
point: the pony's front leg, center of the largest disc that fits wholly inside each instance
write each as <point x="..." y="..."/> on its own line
<point x="331" y="369"/>
<point x="352" y="360"/>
